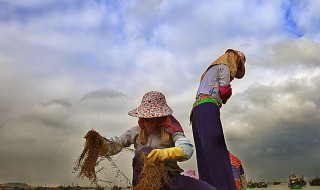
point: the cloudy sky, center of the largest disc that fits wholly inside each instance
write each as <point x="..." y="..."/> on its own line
<point x="68" y="66"/>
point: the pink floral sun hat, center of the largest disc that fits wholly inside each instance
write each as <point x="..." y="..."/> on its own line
<point x="153" y="104"/>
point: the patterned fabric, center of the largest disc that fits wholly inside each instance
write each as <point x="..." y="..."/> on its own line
<point x="191" y="173"/>
<point x="168" y="123"/>
<point x="201" y="98"/>
<point x="241" y="69"/>
<point x="234" y="59"/>
<point x="238" y="184"/>
<point x="242" y="56"/>
<point x="153" y="104"/>
<point x="234" y="161"/>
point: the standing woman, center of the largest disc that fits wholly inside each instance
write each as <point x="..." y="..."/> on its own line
<point x="213" y="160"/>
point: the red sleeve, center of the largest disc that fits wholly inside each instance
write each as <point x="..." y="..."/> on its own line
<point x="225" y="92"/>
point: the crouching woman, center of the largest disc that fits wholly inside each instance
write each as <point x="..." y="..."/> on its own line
<point x="158" y="140"/>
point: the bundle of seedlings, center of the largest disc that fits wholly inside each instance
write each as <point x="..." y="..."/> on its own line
<point x="153" y="175"/>
<point x="88" y="159"/>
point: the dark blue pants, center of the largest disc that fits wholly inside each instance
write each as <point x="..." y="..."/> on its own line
<point x="213" y="160"/>
<point x="179" y="182"/>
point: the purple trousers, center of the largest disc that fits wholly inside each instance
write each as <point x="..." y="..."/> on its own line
<point x="213" y="160"/>
<point x="178" y="181"/>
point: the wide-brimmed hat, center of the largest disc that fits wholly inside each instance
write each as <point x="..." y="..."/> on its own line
<point x="153" y="104"/>
<point x="240" y="66"/>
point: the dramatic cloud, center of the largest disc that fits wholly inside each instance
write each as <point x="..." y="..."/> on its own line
<point x="102" y="94"/>
<point x="69" y="66"/>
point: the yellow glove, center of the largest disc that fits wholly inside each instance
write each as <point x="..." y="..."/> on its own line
<point x="174" y="153"/>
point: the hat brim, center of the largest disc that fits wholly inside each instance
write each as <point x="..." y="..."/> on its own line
<point x="140" y="112"/>
<point x="240" y="72"/>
